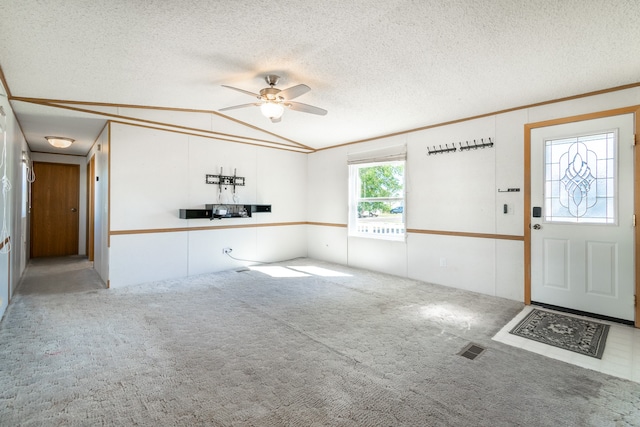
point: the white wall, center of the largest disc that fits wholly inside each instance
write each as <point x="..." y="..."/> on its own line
<point x="458" y="192"/>
<point x="145" y="176"/>
<point x="11" y="206"/>
<point x="154" y="173"/>
<point x="455" y="192"/>
<point x="100" y="151"/>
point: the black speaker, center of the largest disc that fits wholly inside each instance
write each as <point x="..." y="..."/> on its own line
<point x="195" y="213"/>
<point x="261" y="208"/>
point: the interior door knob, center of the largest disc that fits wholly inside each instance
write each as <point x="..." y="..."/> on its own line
<point x="537" y="226"/>
<point x="74" y="210"/>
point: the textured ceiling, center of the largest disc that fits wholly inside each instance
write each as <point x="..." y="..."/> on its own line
<point x="378" y="67"/>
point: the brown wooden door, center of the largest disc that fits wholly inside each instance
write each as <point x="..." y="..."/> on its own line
<point x="54" y="209"/>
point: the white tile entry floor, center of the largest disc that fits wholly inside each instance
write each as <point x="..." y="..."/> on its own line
<point x="621" y="357"/>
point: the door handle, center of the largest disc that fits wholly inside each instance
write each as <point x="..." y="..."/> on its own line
<point x="74" y="210"/>
<point x="537" y="226"/>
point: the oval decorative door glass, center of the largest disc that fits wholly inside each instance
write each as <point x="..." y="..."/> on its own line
<point x="580" y="179"/>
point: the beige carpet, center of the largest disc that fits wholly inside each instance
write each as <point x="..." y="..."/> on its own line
<point x="249" y="349"/>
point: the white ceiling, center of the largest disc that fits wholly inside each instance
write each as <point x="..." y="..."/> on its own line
<point x="378" y="67"/>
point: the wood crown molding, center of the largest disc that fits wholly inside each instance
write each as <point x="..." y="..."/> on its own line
<point x="479" y="116"/>
<point x="69" y="105"/>
<point x="3" y="79"/>
<point x="304" y="148"/>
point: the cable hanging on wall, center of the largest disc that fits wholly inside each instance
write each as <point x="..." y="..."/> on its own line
<point x="5" y="239"/>
<point x="30" y="175"/>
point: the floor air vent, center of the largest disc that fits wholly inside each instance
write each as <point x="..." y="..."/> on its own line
<point x="471" y="351"/>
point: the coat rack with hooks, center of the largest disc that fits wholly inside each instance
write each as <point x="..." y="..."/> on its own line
<point x="463" y="147"/>
<point x="475" y="145"/>
<point x="440" y="150"/>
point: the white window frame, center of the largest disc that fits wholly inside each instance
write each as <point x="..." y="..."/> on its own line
<point x="377" y="230"/>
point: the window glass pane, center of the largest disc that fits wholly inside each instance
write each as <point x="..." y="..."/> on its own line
<point x="377" y="200"/>
<point x="555" y="190"/>
<point x="580" y="179"/>
<point x="384" y="180"/>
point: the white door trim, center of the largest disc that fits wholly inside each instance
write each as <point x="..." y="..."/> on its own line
<point x="527" y="193"/>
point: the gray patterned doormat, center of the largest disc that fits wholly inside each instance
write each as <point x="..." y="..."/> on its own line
<point x="569" y="333"/>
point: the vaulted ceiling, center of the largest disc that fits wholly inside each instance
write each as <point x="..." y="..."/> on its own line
<point x="378" y="67"/>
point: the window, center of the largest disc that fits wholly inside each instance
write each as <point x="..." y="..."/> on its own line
<point x="377" y="195"/>
<point x="580" y="179"/>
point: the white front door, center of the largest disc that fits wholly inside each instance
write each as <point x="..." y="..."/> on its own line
<point x="582" y="237"/>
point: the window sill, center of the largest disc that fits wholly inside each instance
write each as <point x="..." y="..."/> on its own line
<point x="387" y="237"/>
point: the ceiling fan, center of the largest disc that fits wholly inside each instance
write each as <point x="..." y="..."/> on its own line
<point x="272" y="101"/>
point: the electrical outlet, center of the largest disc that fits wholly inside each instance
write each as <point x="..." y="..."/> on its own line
<point x="226" y="250"/>
<point x="443" y="262"/>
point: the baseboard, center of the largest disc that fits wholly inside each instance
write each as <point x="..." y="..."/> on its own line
<point x="583" y="313"/>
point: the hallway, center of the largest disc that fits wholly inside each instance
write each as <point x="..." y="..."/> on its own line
<point x="59" y="275"/>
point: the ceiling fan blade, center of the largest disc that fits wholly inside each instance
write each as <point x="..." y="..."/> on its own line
<point x="253" y="104"/>
<point x="243" y="91"/>
<point x="305" y="108"/>
<point x="294" y="92"/>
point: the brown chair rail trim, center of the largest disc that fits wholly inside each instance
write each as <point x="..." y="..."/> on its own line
<point x="466" y="234"/>
<point x="207" y="228"/>
<point x="320" y="224"/>
<point x="326" y="224"/>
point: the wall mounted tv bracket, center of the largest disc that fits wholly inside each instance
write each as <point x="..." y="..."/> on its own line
<point x="225" y="180"/>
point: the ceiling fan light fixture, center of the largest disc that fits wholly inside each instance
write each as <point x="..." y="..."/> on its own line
<point x="59" y="141"/>
<point x="272" y="110"/>
<point x="273" y="101"/>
